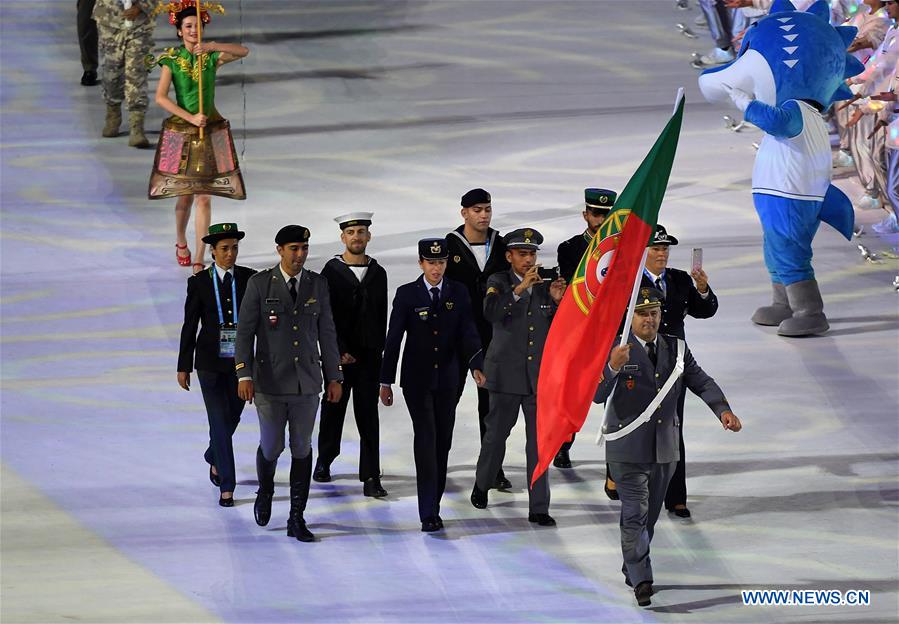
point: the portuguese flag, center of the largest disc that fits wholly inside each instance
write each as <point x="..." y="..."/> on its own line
<point x="590" y="314"/>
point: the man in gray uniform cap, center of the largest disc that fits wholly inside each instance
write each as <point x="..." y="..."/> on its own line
<point x="286" y="310"/>
<point x="520" y="303"/>
<point x="641" y="427"/>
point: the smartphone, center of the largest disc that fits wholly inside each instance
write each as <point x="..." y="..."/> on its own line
<point x="548" y="275"/>
<point x="697" y="258"/>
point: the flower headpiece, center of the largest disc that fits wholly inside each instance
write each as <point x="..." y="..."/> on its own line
<point x="174" y="8"/>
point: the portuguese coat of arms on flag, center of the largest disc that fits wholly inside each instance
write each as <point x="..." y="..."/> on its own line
<point x="594" y="304"/>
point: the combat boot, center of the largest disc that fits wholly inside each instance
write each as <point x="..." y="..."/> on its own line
<point x="113" y="120"/>
<point x="265" y="471"/>
<point x="136" y="122"/>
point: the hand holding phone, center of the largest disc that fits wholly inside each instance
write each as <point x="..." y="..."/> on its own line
<point x="548" y="275"/>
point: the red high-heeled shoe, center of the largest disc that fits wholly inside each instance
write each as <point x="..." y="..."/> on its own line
<point x="182" y="260"/>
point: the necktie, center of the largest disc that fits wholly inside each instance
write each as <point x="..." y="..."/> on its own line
<point x="226" y="286"/>
<point x="435" y="297"/>
<point x="292" y="288"/>
<point x="660" y="286"/>
<point x="651" y="352"/>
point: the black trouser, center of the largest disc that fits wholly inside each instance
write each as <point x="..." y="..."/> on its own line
<point x="433" y="414"/>
<point x="483" y="399"/>
<point x="677" y="487"/>
<point x="223" y="408"/>
<point x="87" y="35"/>
<point x="365" y="409"/>
<point x="566" y="446"/>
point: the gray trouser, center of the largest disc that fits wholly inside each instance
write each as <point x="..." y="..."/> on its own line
<point x="720" y="20"/>
<point x="641" y="488"/>
<point x="277" y="410"/>
<point x="499" y="422"/>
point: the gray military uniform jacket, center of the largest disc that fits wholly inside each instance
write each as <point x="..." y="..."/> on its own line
<point x="519" y="333"/>
<point x="287" y="335"/>
<point x="635" y="386"/>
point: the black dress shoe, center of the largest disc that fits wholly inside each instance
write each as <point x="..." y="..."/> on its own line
<point x="372" y="487"/>
<point x="542" y="519"/>
<point x="643" y="593"/>
<point x="297" y="528"/>
<point x="681" y="513"/>
<point x="612" y="494"/>
<point x="562" y="460"/>
<point x="502" y="483"/>
<point x="89" y="79"/>
<point x="478" y="497"/>
<point x="226" y="502"/>
<point x="322" y="472"/>
<point x="216" y="480"/>
<point x="439" y="521"/>
<point x="430" y="525"/>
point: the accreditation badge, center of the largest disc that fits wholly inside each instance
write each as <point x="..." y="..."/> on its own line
<point x="227" y="340"/>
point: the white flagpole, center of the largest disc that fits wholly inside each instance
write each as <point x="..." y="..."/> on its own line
<point x="633" y="303"/>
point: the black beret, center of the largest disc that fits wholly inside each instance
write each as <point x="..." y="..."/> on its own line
<point x="475" y="196"/>
<point x="292" y="234"/>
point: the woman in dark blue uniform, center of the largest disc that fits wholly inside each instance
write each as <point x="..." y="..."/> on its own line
<point x="435" y="315"/>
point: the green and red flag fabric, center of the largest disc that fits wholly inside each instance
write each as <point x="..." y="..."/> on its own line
<point x="590" y="313"/>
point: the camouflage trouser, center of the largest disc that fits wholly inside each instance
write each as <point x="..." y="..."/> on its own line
<point x="122" y="66"/>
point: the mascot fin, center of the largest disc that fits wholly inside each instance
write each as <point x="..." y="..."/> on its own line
<point x="853" y="67"/>
<point x="847" y="34"/>
<point x="781" y="6"/>
<point x="842" y="93"/>
<point x="820" y="9"/>
<point x="836" y="211"/>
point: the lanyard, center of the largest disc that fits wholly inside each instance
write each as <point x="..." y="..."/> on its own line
<point x="218" y="297"/>
<point x="487" y="249"/>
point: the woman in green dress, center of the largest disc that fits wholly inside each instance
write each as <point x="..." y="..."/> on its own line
<point x="188" y="166"/>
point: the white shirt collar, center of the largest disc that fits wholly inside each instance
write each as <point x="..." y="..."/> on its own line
<point x="653" y="275"/>
<point x="221" y="272"/>
<point x="643" y="342"/>
<point x="428" y="287"/>
<point x="286" y="276"/>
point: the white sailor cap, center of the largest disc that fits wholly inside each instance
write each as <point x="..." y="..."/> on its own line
<point x="354" y="218"/>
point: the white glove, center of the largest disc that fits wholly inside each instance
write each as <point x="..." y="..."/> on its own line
<point x="740" y="98"/>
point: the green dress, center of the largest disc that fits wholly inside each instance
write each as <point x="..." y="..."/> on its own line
<point x="186" y="164"/>
<point x="185" y="74"/>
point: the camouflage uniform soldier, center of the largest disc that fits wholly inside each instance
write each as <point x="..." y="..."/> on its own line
<point x="126" y="38"/>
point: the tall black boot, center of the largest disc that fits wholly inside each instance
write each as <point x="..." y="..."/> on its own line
<point x="265" y="472"/>
<point x="300" y="478"/>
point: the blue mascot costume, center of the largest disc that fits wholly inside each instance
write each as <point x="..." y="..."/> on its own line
<point x="791" y="67"/>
